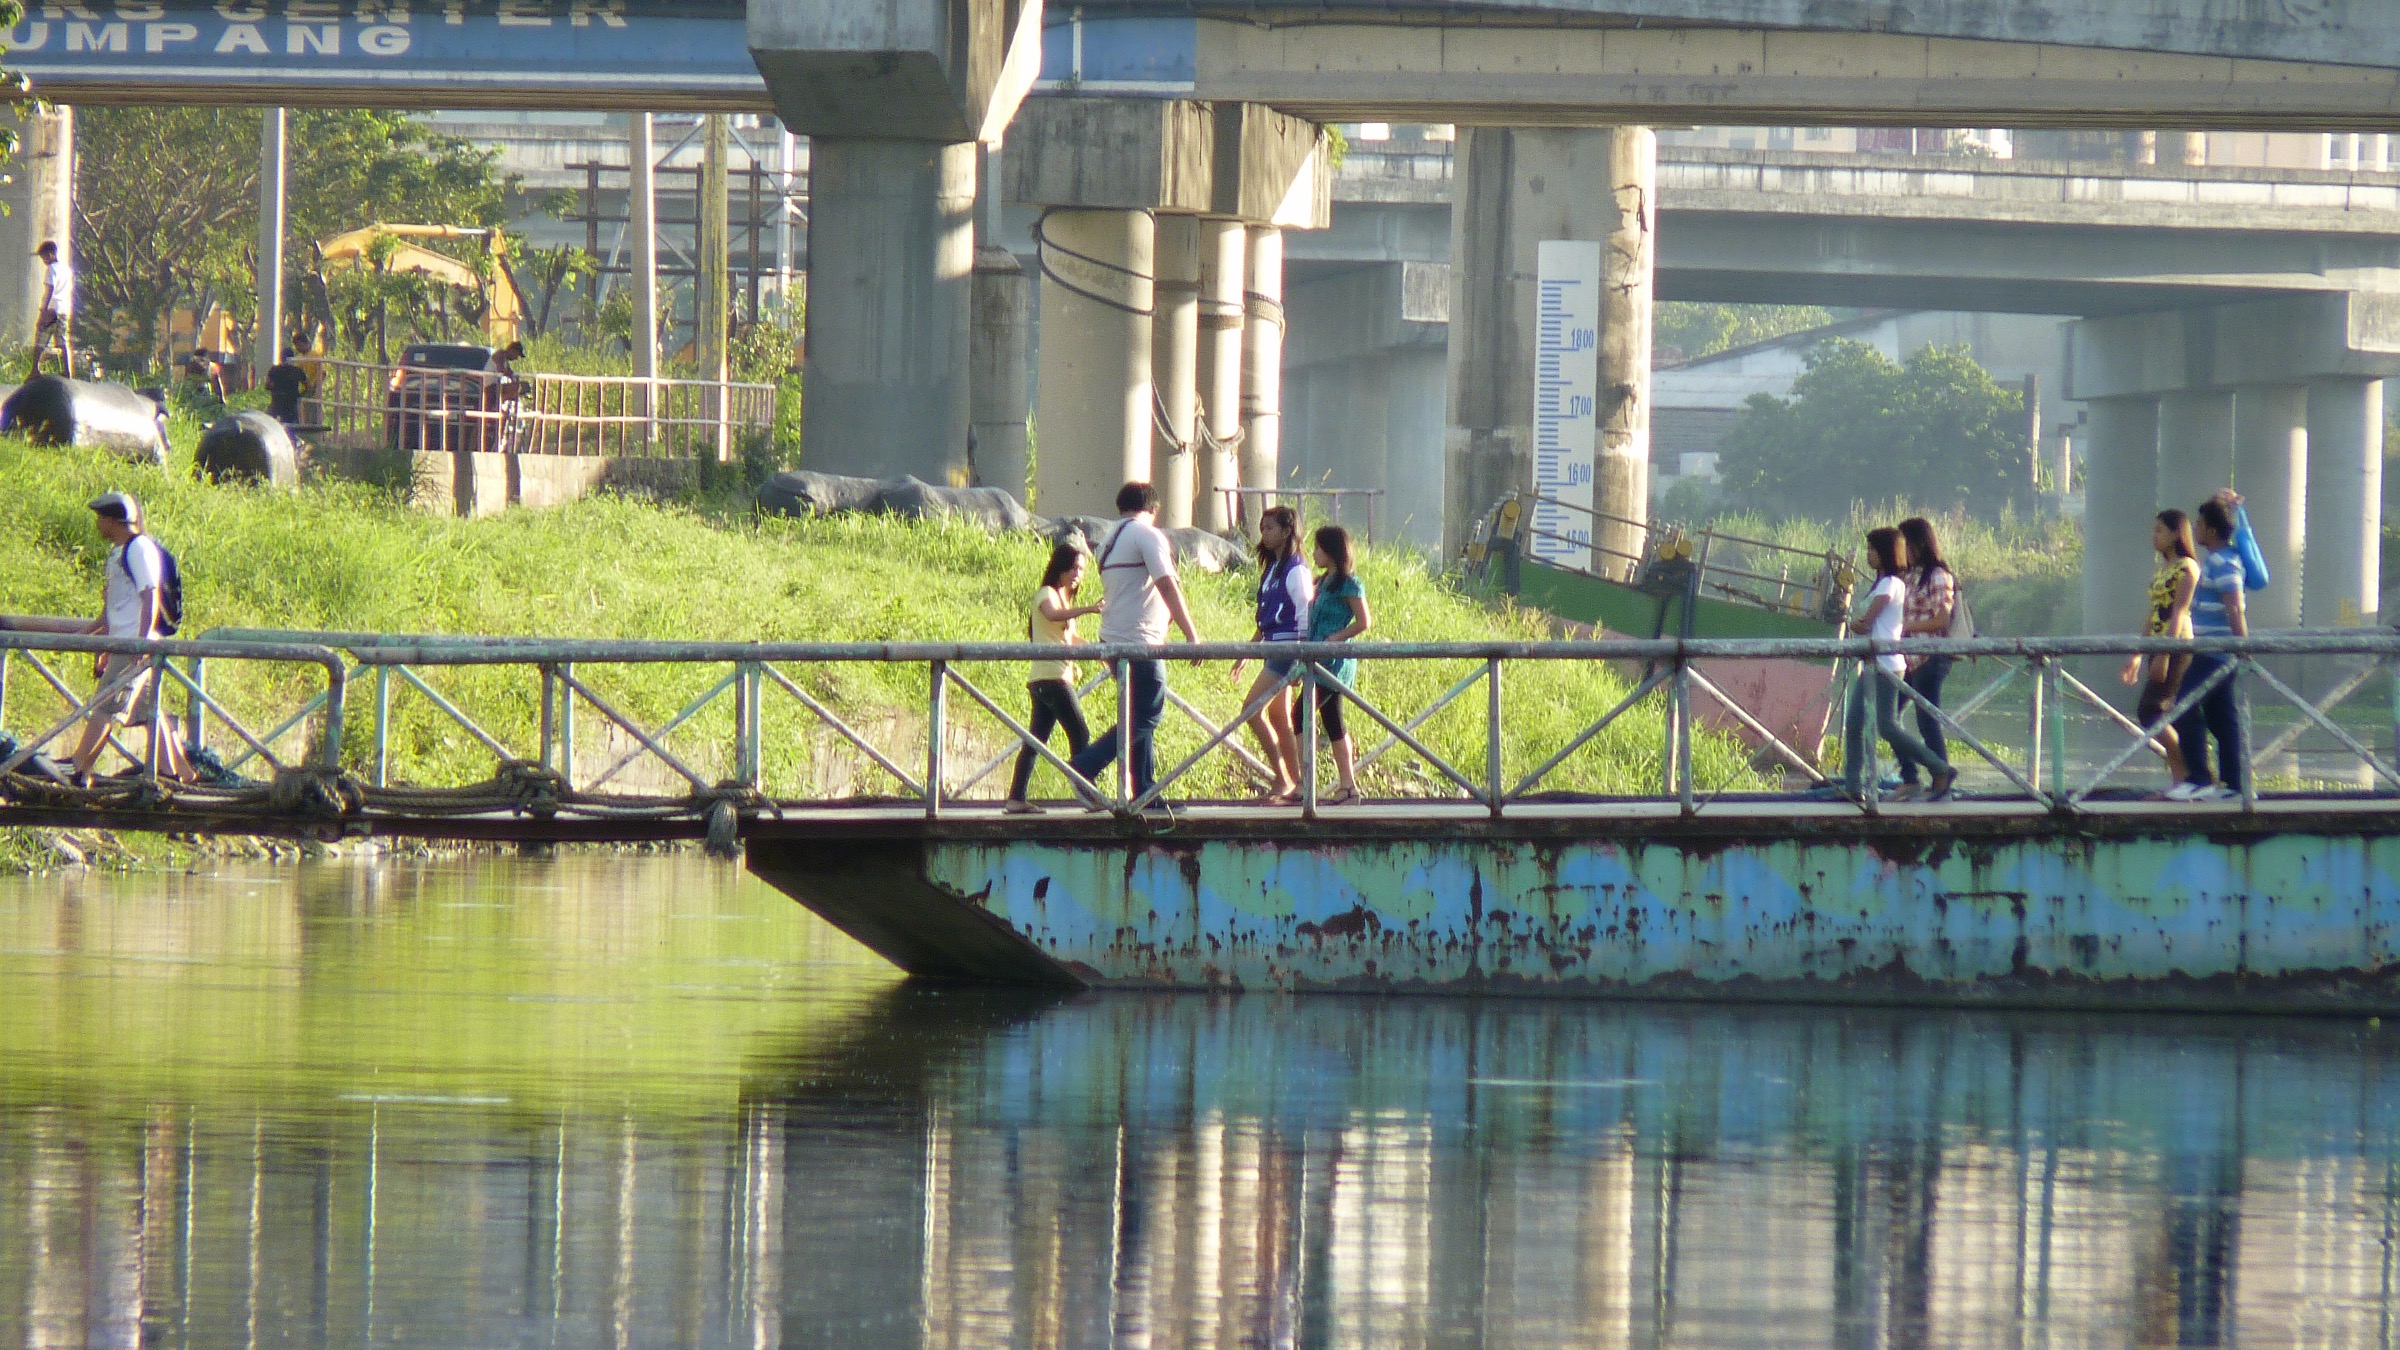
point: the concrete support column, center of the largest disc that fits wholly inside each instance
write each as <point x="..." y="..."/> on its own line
<point x="713" y="313"/>
<point x="2270" y="469"/>
<point x="1094" y="398"/>
<point x="2120" y="468"/>
<point x="1516" y="189"/>
<point x="2340" y="585"/>
<point x="1174" y="358"/>
<point x="997" y="370"/>
<point x="2195" y="446"/>
<point x="891" y="256"/>
<point x="1224" y="249"/>
<point x="1262" y="361"/>
<point x="1628" y="256"/>
<point x="40" y="200"/>
<point x="267" y="343"/>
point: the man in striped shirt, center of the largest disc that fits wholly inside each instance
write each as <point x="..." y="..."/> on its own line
<point x="2216" y="612"/>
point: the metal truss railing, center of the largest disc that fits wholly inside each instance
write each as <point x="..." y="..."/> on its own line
<point x="543" y="764"/>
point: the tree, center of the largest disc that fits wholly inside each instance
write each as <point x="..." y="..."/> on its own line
<point x="1937" y="432"/>
<point x="1692" y="331"/>
<point x="167" y="204"/>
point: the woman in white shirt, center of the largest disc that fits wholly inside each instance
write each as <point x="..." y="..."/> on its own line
<point x="1051" y="683"/>
<point x="1879" y="680"/>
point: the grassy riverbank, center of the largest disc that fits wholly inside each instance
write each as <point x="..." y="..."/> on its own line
<point x="347" y="557"/>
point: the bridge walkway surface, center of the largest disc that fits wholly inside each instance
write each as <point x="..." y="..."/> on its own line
<point x="1516" y="863"/>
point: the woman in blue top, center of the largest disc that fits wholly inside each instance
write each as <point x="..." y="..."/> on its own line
<point x="1284" y="593"/>
<point x="1338" y="614"/>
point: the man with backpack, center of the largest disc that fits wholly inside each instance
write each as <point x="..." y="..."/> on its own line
<point x="142" y="597"/>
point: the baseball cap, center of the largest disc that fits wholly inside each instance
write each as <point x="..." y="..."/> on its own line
<point x="117" y="506"/>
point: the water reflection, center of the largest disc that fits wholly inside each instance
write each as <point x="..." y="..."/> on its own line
<point x="644" y="1104"/>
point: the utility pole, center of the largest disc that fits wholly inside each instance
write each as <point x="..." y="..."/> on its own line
<point x="713" y="321"/>
<point x="267" y="346"/>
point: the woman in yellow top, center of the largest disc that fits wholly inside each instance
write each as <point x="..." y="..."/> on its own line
<point x="1051" y="683"/>
<point x="2161" y="674"/>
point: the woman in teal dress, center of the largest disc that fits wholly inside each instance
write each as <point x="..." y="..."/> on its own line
<point x="1337" y="614"/>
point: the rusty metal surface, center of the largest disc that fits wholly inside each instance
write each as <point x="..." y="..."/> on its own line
<point x="2286" y="921"/>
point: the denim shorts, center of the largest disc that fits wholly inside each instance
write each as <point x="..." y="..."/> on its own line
<point x="1279" y="669"/>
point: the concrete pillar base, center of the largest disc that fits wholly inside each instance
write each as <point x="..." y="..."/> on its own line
<point x="1224" y="249"/>
<point x="1261" y="455"/>
<point x="891" y="251"/>
<point x="2120" y="479"/>
<point x="1094" y="401"/>
<point x="997" y="371"/>
<point x="1174" y="357"/>
<point x="2341" y="581"/>
<point x="2270" y="470"/>
<point x="2195" y="446"/>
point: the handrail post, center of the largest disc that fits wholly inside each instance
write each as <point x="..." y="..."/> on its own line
<point x="1667" y="776"/>
<point x="5" y="654"/>
<point x="195" y="707"/>
<point x="2033" y="722"/>
<point x="934" y="702"/>
<point x="337" y="691"/>
<point x="2058" y="741"/>
<point x="1307" y="723"/>
<point x="1124" y="732"/>
<point x="566" y="726"/>
<point x="383" y="723"/>
<point x="154" y="727"/>
<point x="549" y="751"/>
<point x="2241" y="724"/>
<point x="1495" y="787"/>
<point x="1869" y="693"/>
<point x="1683" y="734"/>
<point x="745" y="711"/>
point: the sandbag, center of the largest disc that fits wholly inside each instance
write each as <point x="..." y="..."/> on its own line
<point x="1194" y="547"/>
<point x="52" y="411"/>
<point x="915" y="499"/>
<point x="802" y="492"/>
<point x="249" y="447"/>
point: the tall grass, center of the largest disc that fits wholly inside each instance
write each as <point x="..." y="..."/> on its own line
<point x="345" y="557"/>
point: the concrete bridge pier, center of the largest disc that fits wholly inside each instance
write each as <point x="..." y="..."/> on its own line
<point x="2120" y="471"/>
<point x="1363" y="370"/>
<point x="2270" y="470"/>
<point x="2341" y="570"/>
<point x="2306" y="440"/>
<point x="1515" y="188"/>
<point x="894" y="95"/>
<point x="1224" y="249"/>
<point x="2195" y="446"/>
<point x="1122" y="315"/>
<point x="40" y="200"/>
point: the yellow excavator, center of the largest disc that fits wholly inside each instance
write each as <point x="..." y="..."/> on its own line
<point x="502" y="320"/>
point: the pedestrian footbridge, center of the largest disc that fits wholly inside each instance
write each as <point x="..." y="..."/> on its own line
<point x="1664" y="840"/>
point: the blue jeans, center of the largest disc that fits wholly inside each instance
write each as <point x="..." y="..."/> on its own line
<point x="1907" y="748"/>
<point x="1149" y="683"/>
<point x="1927" y="679"/>
<point x="2216" y="714"/>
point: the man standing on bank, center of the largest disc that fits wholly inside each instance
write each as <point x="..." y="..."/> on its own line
<point x="57" y="311"/>
<point x="1137" y="569"/>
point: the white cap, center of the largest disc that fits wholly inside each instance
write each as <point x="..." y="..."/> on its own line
<point x="119" y="505"/>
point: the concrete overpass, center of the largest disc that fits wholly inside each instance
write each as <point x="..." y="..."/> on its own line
<point x="2197" y="283"/>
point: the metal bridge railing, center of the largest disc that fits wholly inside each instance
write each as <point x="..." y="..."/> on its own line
<point x="515" y="705"/>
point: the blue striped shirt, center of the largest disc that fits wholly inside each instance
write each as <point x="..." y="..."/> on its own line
<point x="2220" y="576"/>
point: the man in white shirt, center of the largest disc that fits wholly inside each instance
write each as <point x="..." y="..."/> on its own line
<point x="57" y="312"/>
<point x="1137" y="568"/>
<point x="133" y="600"/>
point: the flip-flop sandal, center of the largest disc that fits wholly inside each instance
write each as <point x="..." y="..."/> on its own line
<point x="1339" y="798"/>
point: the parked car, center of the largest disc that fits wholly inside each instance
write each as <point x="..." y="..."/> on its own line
<point x="433" y="389"/>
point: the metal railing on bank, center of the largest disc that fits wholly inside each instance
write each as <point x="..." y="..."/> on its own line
<point x="573" y="727"/>
<point x="624" y="416"/>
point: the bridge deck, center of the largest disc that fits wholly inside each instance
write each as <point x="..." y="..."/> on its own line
<point x="1757" y="817"/>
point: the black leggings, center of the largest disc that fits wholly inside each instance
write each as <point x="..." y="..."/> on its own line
<point x="1054" y="705"/>
<point x="1329" y="710"/>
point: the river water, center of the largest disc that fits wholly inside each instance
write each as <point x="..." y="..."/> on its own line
<point x="610" y="1101"/>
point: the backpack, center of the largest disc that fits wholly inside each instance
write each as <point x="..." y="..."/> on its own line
<point x="170" y="586"/>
